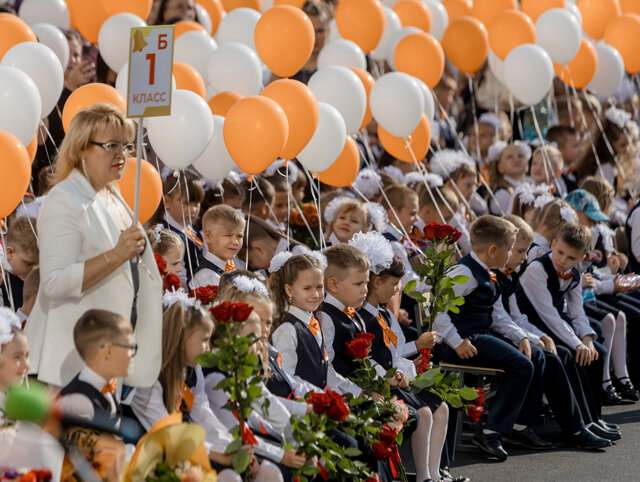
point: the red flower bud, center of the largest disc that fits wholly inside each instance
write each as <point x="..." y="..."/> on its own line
<point x="171" y="282"/>
<point x="474" y="412"/>
<point x="205" y="294"/>
<point x="222" y="312"/>
<point x="430" y="231"/>
<point x="338" y="410"/>
<point x="480" y="399"/>
<point x="241" y="312"/>
<point x="359" y="346"/>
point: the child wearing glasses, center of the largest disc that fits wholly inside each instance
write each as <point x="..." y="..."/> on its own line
<point x="104" y="341"/>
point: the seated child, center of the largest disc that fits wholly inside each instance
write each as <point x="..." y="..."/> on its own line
<point x="441" y="200"/>
<point x="14" y="354"/>
<point x="344" y="217"/>
<point x="468" y="339"/>
<point x="567" y="139"/>
<point x="547" y="220"/>
<point x="29" y="294"/>
<point x="21" y="256"/>
<point x="168" y="245"/>
<point x="546" y="168"/>
<point x="507" y="171"/>
<point x="223" y="229"/>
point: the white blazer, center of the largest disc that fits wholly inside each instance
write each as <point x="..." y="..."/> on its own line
<point x="74" y="226"/>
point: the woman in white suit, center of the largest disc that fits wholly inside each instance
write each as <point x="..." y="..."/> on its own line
<point x="89" y="245"/>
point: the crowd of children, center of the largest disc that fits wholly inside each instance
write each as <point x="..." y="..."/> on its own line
<point x="549" y="245"/>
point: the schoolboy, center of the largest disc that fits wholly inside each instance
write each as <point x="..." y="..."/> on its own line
<point x="104" y="341"/>
<point x="440" y="200"/>
<point x="20" y="258"/>
<point x="223" y="229"/>
<point x="281" y="202"/>
<point x="468" y="339"/>
<point x="29" y="294"/>
<point x="567" y="139"/>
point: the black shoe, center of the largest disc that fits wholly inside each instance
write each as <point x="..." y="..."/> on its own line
<point x="610" y="396"/>
<point x="492" y="444"/>
<point x="600" y="431"/>
<point x="445" y="474"/>
<point x="527" y="438"/>
<point x="629" y="392"/>
<point x="587" y="440"/>
<point x="609" y="426"/>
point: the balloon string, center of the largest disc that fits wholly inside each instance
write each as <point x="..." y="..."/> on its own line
<point x="289" y="194"/>
<point x="184" y="223"/>
<point x="590" y="136"/>
<point x="246" y="236"/>
<point x="304" y="220"/>
<point x="4" y="273"/>
<point x="567" y="96"/>
<point x="462" y="199"/>
<point x="546" y="160"/>
<point x="474" y="114"/>
<point x="33" y="230"/>
<point x="511" y="115"/>
<point x="271" y="212"/>
<point x="323" y="242"/>
<point x="44" y="142"/>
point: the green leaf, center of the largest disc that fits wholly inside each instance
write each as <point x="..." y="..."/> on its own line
<point x="468" y="393"/>
<point x="352" y="451"/>
<point x="207" y="360"/>
<point x="460" y="279"/>
<point x="458" y="301"/>
<point x="410" y="286"/>
<point x="233" y="446"/>
<point x="310" y="470"/>
<point x="455" y="401"/>
<point x="454" y="309"/>
<point x="241" y="460"/>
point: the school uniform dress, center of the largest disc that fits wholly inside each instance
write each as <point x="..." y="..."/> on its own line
<point x="483" y="309"/>
<point x="210" y="268"/>
<point x="193" y="243"/>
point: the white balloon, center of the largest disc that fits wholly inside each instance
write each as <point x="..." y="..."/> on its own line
<point x="122" y="80"/>
<point x="573" y="8"/>
<point x="215" y="162"/>
<point x="439" y="18"/>
<point x="180" y="138"/>
<point x="203" y="17"/>
<point x="397" y="103"/>
<point x="609" y="71"/>
<point x="20" y="104"/>
<point x="496" y="65"/>
<point x="342" y="52"/>
<point x="114" y="39"/>
<point x="52" y="37"/>
<point x="391" y="27"/>
<point x="342" y="88"/>
<point x="235" y="67"/>
<point x="559" y="33"/>
<point x="195" y="49"/>
<point x="334" y="33"/>
<point x="43" y="66"/>
<point x="238" y="26"/>
<point x="54" y="12"/>
<point x="429" y="103"/>
<point x="528" y="73"/>
<point x="395" y="40"/>
<point x="266" y="5"/>
<point x="327" y="141"/>
<point x="389" y="3"/>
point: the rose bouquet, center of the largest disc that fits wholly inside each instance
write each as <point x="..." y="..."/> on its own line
<point x="25" y="475"/>
<point x="205" y="294"/>
<point x="304" y="225"/>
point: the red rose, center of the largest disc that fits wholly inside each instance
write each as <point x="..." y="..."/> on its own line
<point x="338" y="410"/>
<point x="480" y="399"/>
<point x="448" y="233"/>
<point x="247" y="435"/>
<point x="222" y="312"/>
<point x="374" y="478"/>
<point x="359" y="346"/>
<point x="381" y="450"/>
<point x="162" y="264"/>
<point x="430" y="231"/>
<point x="241" y="312"/>
<point x="474" y="412"/>
<point x="205" y="294"/>
<point x="387" y="434"/>
<point x="171" y="282"/>
<point x="424" y="361"/>
<point x="320" y="402"/>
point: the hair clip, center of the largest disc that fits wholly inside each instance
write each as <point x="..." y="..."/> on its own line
<point x="157" y="229"/>
<point x="169" y="298"/>
<point x="568" y="214"/>
<point x="321" y="258"/>
<point x="491" y="119"/>
<point x="8" y="320"/>
<point x="331" y="211"/>
<point x="617" y="116"/>
<point x="368" y="183"/>
<point x="378" y="215"/>
<point x="249" y="285"/>
<point x="376" y="249"/>
<point x="279" y="260"/>
<point x="542" y="200"/>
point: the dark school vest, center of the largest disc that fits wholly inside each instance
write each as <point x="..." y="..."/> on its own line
<point x="312" y="365"/>
<point x="101" y="406"/>
<point x="379" y="350"/>
<point x="279" y="382"/>
<point x="192" y="250"/>
<point x="16" y="285"/>
<point x="204" y="263"/>
<point x="345" y="330"/>
<point x="508" y="286"/>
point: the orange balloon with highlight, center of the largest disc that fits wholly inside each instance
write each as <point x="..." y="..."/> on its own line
<point x="233" y="4"/>
<point x="221" y="103"/>
<point x="15" y="172"/>
<point x="630" y="6"/>
<point x="87" y="18"/>
<point x="12" y="32"/>
<point x="581" y="69"/>
<point x="292" y="3"/>
<point x="141" y="8"/>
<point x="367" y="81"/>
<point x="188" y="78"/>
<point x="623" y="34"/>
<point x="361" y="21"/>
<point x="466" y="44"/>
<point x="596" y="15"/>
<point x="345" y="168"/>
<point x="413" y="13"/>
<point x="32" y="148"/>
<point x="215" y="11"/>
<point x="301" y="108"/>
<point x="184" y="26"/>
<point x="419" y="142"/>
<point x="150" y="188"/>
<point x="88" y="95"/>
<point x="284" y="38"/>
<point x="508" y="30"/>
<point x="420" y="55"/>
<point x="535" y="8"/>
<point x="487" y="10"/>
<point x="457" y="8"/>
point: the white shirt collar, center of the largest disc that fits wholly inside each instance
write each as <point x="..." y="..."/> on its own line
<point x="540" y="240"/>
<point x="370" y="309"/>
<point x="512" y="181"/>
<point x="333" y="239"/>
<point x="215" y="260"/>
<point x="333" y="301"/>
<point x="304" y="316"/>
<point x="474" y="256"/>
<point x="89" y="376"/>
<point x="173" y="223"/>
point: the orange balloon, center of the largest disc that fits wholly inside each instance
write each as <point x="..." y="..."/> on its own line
<point x="86" y="96"/>
<point x="87" y="18"/>
<point x="293" y="3"/>
<point x="187" y="77"/>
<point x="301" y="108"/>
<point x="508" y="30"/>
<point x="255" y="132"/>
<point x="487" y="10"/>
<point x="215" y="11"/>
<point x="221" y="103"/>
<point x="284" y="38"/>
<point x="623" y="33"/>
<point x="345" y="168"/>
<point x="420" y="55"/>
<point x="150" y="188"/>
<point x="184" y="26"/>
<point x="466" y="44"/>
<point x="361" y="21"/>
<point x="15" y="172"/>
<point x="581" y="69"/>
<point x="33" y="147"/>
<point x="535" y="8"/>
<point x="630" y="6"/>
<point x="14" y="31"/>
<point x="457" y="8"/>
<point x="232" y="4"/>
<point x="141" y="8"/>
<point x="367" y="81"/>
<point x="596" y="15"/>
<point x="413" y="13"/>
<point x="419" y="141"/>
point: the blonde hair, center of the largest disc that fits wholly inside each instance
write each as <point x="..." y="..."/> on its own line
<point x="554" y="155"/>
<point x="340" y="258"/>
<point x="83" y="129"/>
<point x="348" y="207"/>
<point x="549" y="217"/>
<point x="22" y="235"/>
<point x="576" y="236"/>
<point x="602" y="189"/>
<point x="397" y="196"/>
<point x="525" y="233"/>
<point x="489" y="229"/>
<point x="221" y="214"/>
<point x="97" y="327"/>
<point x="168" y="240"/>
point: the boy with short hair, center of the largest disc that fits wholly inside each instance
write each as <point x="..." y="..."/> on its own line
<point x="468" y="339"/>
<point x="20" y="258"/>
<point x="567" y="139"/>
<point x="104" y="341"/>
<point x="281" y="202"/>
<point x="223" y="229"/>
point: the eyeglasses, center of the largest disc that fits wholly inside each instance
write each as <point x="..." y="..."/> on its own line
<point x="133" y="349"/>
<point x="115" y="147"/>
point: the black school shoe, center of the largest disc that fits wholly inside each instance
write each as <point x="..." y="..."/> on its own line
<point x="445" y="474"/>
<point x="527" y="438"/>
<point x="587" y="440"/>
<point x="603" y="432"/>
<point x="628" y="392"/>
<point x="491" y="443"/>
<point x="610" y="396"/>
